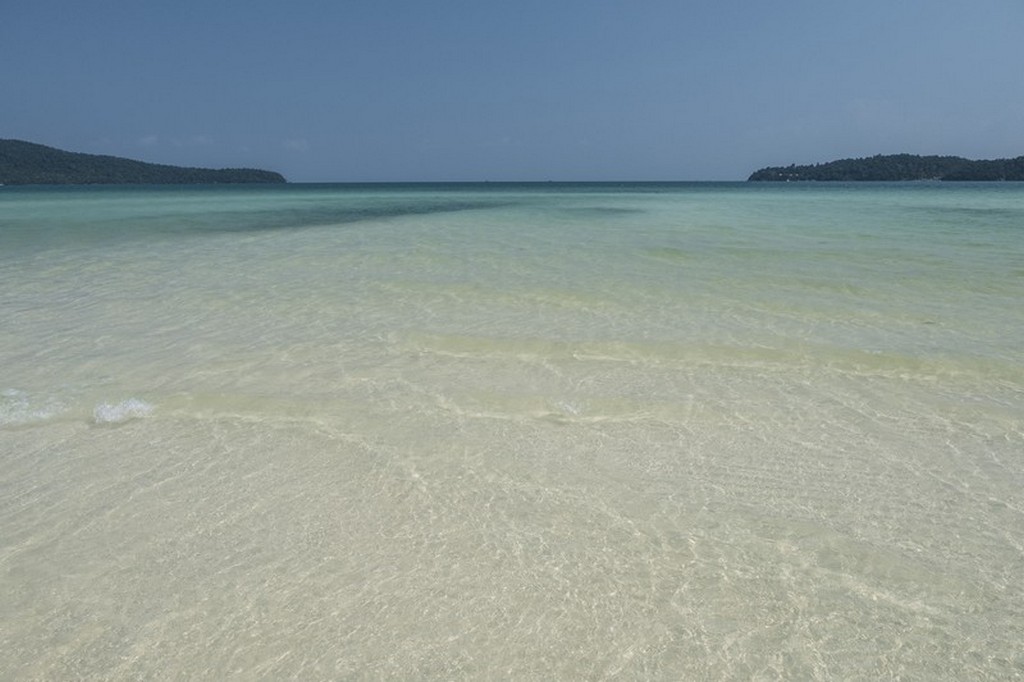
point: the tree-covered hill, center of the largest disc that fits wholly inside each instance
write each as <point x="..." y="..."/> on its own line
<point x="897" y="167"/>
<point x="27" y="163"/>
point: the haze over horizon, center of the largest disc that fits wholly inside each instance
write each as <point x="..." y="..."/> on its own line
<point x="576" y="90"/>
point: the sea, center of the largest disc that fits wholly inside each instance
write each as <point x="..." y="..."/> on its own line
<point x="550" y="431"/>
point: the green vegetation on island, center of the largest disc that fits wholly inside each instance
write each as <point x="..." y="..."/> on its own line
<point x="898" y="167"/>
<point x="27" y="163"/>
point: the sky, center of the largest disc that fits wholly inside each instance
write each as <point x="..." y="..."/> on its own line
<point x="446" y="90"/>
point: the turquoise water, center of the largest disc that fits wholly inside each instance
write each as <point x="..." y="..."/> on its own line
<point x="537" y="431"/>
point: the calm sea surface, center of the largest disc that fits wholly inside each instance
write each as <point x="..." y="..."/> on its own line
<point x="649" y="431"/>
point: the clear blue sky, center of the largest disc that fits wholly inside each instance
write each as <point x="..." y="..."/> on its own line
<point x="390" y="90"/>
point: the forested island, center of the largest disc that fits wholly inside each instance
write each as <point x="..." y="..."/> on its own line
<point x="898" y="167"/>
<point x="27" y="163"/>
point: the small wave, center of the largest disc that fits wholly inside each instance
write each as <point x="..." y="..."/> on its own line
<point x="19" y="408"/>
<point x="568" y="408"/>
<point x="118" y="413"/>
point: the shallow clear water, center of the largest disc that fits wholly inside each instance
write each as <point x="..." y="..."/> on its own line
<point x="512" y="431"/>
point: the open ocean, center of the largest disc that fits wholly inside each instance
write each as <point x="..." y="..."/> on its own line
<point x="500" y="431"/>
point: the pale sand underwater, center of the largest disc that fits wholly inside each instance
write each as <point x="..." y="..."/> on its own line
<point x="518" y="432"/>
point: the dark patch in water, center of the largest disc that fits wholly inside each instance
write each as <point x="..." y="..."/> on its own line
<point x="991" y="217"/>
<point x="600" y="211"/>
<point x="18" y="237"/>
<point x="670" y="254"/>
<point x="321" y="215"/>
<point x="982" y="212"/>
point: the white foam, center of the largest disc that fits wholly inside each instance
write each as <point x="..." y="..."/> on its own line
<point x="18" y="408"/>
<point x="569" y="408"/>
<point x="118" y="413"/>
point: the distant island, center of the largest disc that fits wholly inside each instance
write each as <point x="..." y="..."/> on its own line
<point x="897" y="167"/>
<point x="27" y="163"/>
